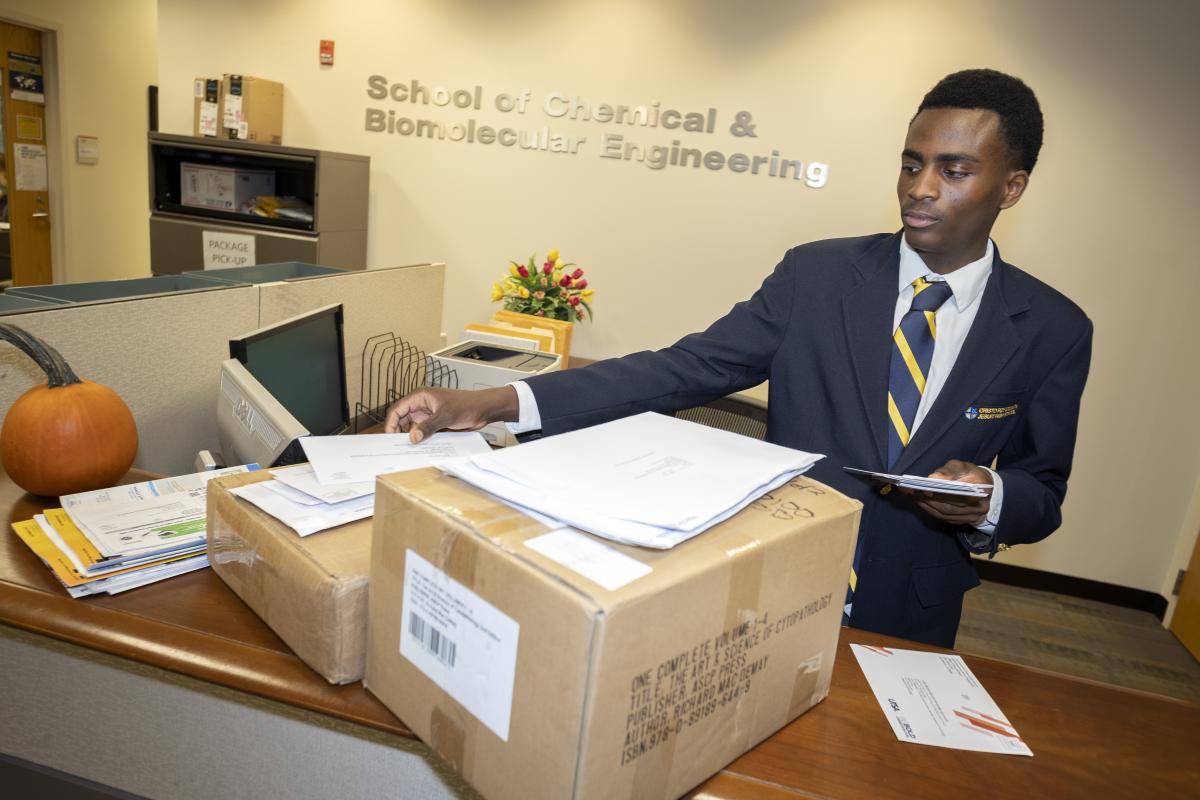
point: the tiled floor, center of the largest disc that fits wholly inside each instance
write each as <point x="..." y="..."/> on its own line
<point x="1077" y="637"/>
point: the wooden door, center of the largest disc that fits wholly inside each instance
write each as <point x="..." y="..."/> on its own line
<point x="26" y="156"/>
<point x="1185" y="623"/>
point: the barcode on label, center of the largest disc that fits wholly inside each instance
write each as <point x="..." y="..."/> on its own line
<point x="432" y="639"/>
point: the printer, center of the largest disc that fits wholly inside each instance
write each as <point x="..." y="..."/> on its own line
<point x="483" y="365"/>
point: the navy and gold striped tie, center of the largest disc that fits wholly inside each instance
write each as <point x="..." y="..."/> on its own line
<point x="912" y="353"/>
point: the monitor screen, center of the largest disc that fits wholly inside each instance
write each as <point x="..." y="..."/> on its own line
<point x="301" y="363"/>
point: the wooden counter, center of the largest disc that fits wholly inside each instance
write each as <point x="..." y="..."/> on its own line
<point x="1089" y="739"/>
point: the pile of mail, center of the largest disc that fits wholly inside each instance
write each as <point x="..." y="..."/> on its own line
<point x="924" y="484"/>
<point x="111" y="540"/>
<point x="338" y="484"/>
<point x="647" y="480"/>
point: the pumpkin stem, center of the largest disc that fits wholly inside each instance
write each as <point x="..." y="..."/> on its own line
<point x="58" y="371"/>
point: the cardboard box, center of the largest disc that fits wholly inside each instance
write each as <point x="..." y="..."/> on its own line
<point x="251" y="109"/>
<point x="311" y="591"/>
<point x="536" y="681"/>
<point x="206" y="107"/>
<point x="223" y="188"/>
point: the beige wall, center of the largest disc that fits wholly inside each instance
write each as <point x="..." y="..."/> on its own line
<point x="1106" y="220"/>
<point x="103" y="56"/>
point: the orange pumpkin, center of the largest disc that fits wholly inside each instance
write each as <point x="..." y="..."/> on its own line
<point x="67" y="436"/>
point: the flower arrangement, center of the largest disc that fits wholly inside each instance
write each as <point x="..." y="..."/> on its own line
<point x="554" y="290"/>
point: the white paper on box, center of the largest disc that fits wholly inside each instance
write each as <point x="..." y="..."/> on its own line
<point x="593" y="560"/>
<point x="208" y="119"/>
<point x="463" y="643"/>
<point x="233" y="110"/>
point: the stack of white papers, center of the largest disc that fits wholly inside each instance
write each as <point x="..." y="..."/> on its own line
<point x="924" y="484"/>
<point x="647" y="480"/>
<point x="111" y="540"/>
<point x="337" y="486"/>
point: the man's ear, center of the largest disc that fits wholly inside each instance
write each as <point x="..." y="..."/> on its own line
<point x="1014" y="188"/>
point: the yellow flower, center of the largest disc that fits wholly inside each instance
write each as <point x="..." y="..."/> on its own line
<point x="512" y="268"/>
<point x="557" y="276"/>
<point x="552" y="255"/>
<point x="523" y="292"/>
<point x="586" y="294"/>
<point x="497" y="292"/>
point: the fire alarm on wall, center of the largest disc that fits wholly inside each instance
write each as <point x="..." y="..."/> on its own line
<point x="327" y="52"/>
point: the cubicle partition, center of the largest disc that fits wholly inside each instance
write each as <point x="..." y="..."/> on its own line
<point x="162" y="352"/>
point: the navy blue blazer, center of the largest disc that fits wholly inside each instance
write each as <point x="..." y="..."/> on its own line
<point x="820" y="329"/>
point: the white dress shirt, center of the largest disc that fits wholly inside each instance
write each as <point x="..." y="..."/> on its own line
<point x="953" y="321"/>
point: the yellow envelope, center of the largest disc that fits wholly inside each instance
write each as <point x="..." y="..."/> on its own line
<point x="559" y="327"/>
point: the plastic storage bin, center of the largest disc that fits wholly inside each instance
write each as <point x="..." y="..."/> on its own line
<point x="10" y="303"/>
<point x="267" y="273"/>
<point x="116" y="290"/>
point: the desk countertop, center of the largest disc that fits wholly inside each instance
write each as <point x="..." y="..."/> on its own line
<point x="1089" y="739"/>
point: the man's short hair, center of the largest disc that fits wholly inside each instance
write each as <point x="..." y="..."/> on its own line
<point x="1014" y="102"/>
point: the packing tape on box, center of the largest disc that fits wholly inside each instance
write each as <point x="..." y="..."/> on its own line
<point x="457" y="561"/>
<point x="652" y="774"/>
<point x="237" y="561"/>
<point x="745" y="576"/>
<point x="808" y="673"/>
<point x="448" y="738"/>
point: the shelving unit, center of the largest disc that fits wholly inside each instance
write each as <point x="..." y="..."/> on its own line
<point x="334" y="184"/>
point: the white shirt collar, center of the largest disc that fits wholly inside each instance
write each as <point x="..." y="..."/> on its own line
<point x="966" y="282"/>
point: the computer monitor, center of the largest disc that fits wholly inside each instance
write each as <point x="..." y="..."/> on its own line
<point x="282" y="382"/>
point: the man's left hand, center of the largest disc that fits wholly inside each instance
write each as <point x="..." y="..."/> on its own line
<point x="957" y="510"/>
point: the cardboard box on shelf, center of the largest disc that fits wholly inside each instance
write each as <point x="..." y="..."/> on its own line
<point x="206" y="107"/>
<point x="223" y="188"/>
<point x="311" y="591"/>
<point x="251" y="109"/>
<point x="552" y="664"/>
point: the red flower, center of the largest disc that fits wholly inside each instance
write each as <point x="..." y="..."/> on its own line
<point x="574" y="300"/>
<point x="566" y="281"/>
<point x="548" y="267"/>
<point x="524" y="272"/>
<point x="577" y="273"/>
<point x="582" y="284"/>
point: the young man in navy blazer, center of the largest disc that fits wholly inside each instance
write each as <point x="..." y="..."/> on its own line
<point x="1003" y="384"/>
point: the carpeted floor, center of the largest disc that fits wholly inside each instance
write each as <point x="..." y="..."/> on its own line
<point x="1077" y="637"/>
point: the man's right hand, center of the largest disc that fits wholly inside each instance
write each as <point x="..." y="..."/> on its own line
<point x="427" y="411"/>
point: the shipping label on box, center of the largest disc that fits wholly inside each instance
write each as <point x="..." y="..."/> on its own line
<point x="206" y="94"/>
<point x="222" y="188"/>
<point x="463" y="643"/>
<point x="637" y="673"/>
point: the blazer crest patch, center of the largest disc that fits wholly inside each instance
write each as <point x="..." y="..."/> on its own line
<point x="990" y="412"/>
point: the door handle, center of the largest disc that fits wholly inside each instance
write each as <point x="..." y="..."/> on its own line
<point x="40" y="214"/>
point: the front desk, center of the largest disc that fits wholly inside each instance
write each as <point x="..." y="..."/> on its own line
<point x="178" y="690"/>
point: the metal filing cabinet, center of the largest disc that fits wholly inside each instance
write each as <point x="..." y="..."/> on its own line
<point x="335" y="184"/>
